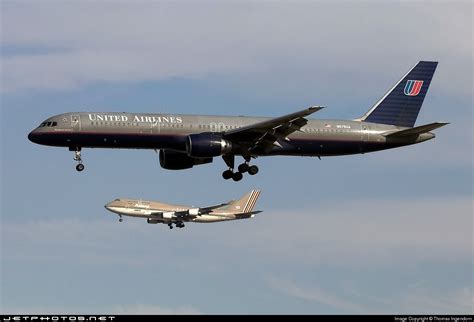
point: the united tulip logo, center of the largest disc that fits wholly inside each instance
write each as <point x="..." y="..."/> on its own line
<point x="413" y="87"/>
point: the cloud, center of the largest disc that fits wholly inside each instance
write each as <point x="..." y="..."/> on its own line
<point x="70" y="45"/>
<point x="131" y="309"/>
<point x="350" y="232"/>
<point x="366" y="232"/>
<point x="352" y="235"/>
<point x="417" y="300"/>
<point x="457" y="301"/>
<point x="313" y="294"/>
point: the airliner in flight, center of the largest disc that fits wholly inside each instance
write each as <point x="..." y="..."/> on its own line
<point x="185" y="141"/>
<point x="157" y="212"/>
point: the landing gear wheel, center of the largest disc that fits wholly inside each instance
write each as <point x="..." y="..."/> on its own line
<point x="244" y="167"/>
<point x="77" y="157"/>
<point x="120" y="220"/>
<point x="253" y="170"/>
<point x="227" y="174"/>
<point x="237" y="176"/>
<point x="170" y="225"/>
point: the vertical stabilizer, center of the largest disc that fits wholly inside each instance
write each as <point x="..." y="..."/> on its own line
<point x="402" y="103"/>
<point x="246" y="203"/>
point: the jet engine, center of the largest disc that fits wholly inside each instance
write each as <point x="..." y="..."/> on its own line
<point x="153" y="221"/>
<point x="169" y="215"/>
<point x="193" y="211"/>
<point x="206" y="145"/>
<point x="172" y="160"/>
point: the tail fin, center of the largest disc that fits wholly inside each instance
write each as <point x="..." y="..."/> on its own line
<point x="401" y="104"/>
<point x="246" y="203"/>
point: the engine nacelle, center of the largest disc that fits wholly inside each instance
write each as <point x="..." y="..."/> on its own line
<point x="193" y="211"/>
<point x="169" y="215"/>
<point x="153" y="221"/>
<point x="172" y="160"/>
<point x="206" y="145"/>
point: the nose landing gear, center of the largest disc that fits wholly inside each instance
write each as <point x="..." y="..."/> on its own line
<point x="77" y="157"/>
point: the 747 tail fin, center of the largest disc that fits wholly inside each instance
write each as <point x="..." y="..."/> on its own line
<point x="402" y="103"/>
<point x="244" y="204"/>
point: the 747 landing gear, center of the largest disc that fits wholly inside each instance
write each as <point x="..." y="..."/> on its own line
<point x="120" y="219"/>
<point x="179" y="224"/>
<point x="77" y="157"/>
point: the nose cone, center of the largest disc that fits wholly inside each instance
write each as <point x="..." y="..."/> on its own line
<point x="33" y="136"/>
<point x="113" y="207"/>
<point x="108" y="206"/>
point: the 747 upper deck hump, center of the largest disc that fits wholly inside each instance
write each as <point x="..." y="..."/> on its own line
<point x="186" y="141"/>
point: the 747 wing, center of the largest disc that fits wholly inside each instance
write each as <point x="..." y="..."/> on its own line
<point x="191" y="212"/>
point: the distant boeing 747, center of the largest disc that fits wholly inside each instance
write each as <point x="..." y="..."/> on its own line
<point x="157" y="212"/>
<point x="185" y="141"/>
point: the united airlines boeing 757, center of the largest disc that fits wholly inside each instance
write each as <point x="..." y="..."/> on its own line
<point x="157" y="212"/>
<point x="185" y="141"/>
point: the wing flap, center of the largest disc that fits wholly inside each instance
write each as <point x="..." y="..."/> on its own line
<point x="206" y="210"/>
<point x="264" y="135"/>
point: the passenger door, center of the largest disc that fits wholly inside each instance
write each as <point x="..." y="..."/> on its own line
<point x="365" y="132"/>
<point x="155" y="128"/>
<point x="76" y="122"/>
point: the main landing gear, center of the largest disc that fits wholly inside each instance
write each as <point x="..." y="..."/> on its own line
<point x="179" y="224"/>
<point x="77" y="157"/>
<point x="120" y="219"/>
<point x="242" y="168"/>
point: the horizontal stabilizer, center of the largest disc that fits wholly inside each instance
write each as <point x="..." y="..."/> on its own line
<point x="415" y="130"/>
<point x="248" y="214"/>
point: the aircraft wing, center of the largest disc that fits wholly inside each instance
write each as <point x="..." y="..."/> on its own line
<point x="262" y="136"/>
<point x="206" y="210"/>
<point x="192" y="212"/>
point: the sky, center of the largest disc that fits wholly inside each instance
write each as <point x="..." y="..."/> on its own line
<point x="389" y="232"/>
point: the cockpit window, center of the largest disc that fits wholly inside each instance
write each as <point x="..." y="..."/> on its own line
<point x="48" y="124"/>
<point x="55" y="123"/>
<point x="42" y="124"/>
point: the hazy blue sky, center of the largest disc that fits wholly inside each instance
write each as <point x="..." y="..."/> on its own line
<point x="388" y="232"/>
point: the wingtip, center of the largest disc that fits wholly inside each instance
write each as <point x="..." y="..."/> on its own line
<point x="315" y="108"/>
